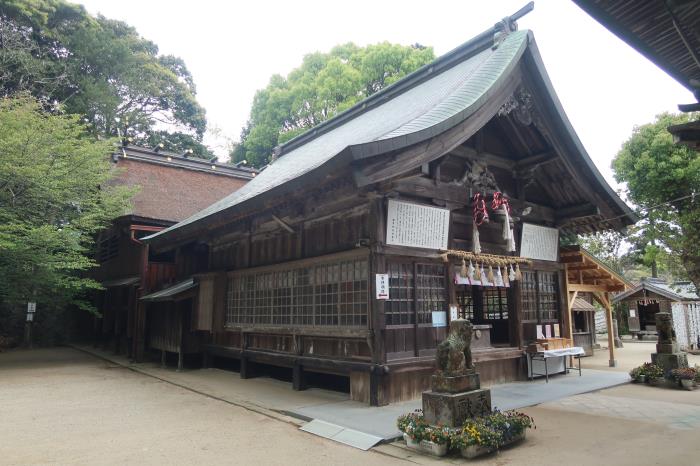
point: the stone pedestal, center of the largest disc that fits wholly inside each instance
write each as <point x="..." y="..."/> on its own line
<point x="455" y="384"/>
<point x="668" y="355"/>
<point x="670" y="361"/>
<point x="456" y="393"/>
<point x="452" y="409"/>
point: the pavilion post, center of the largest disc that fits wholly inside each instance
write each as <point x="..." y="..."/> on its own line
<point x="608" y="319"/>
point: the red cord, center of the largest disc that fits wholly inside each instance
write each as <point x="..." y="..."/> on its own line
<point x="480" y="213"/>
<point x="498" y="201"/>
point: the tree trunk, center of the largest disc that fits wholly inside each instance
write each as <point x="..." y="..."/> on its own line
<point x="692" y="267"/>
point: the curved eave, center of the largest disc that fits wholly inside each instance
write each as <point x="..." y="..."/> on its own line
<point x="483" y="90"/>
<point x="625" y="216"/>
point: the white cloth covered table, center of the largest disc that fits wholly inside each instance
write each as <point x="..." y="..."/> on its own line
<point x="539" y="360"/>
<point x="573" y="351"/>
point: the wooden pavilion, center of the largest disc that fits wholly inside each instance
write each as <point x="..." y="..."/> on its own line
<point x="586" y="275"/>
<point x="349" y="254"/>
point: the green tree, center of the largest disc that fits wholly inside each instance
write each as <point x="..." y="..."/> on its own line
<point x="324" y="85"/>
<point x="54" y="197"/>
<point x="663" y="178"/>
<point x="101" y="69"/>
<point x="606" y="247"/>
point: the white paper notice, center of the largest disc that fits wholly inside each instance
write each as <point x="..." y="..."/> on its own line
<point x="633" y="313"/>
<point x="454" y="313"/>
<point x="417" y="226"/>
<point x="382" y="285"/>
<point x="548" y="331"/>
<point x="557" y="331"/>
<point x="538" y="242"/>
<point x="540" y="335"/>
<point x="439" y="319"/>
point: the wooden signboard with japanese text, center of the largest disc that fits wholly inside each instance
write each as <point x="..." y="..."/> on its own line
<point x="417" y="226"/>
<point x="540" y="243"/>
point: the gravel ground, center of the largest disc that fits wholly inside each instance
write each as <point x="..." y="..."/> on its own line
<point x="61" y="406"/>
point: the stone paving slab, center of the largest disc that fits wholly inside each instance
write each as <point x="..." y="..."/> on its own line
<point x="675" y="415"/>
<point x="381" y="421"/>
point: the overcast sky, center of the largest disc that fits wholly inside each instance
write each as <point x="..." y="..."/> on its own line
<point x="232" y="49"/>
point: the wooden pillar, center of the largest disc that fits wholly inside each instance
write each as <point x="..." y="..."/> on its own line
<point x="181" y="329"/>
<point x="245" y="371"/>
<point x="377" y="264"/>
<point x="608" y="320"/>
<point x="298" y="377"/>
<point x="377" y="378"/>
<point x="162" y="358"/>
<point x="566" y="324"/>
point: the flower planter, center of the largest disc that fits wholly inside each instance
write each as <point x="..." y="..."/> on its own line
<point x="687" y="384"/>
<point x="425" y="446"/>
<point x="472" y="451"/>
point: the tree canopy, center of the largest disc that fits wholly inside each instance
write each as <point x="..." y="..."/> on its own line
<point x="324" y="85"/>
<point x="101" y="69"/>
<point x="54" y="197"/>
<point x="663" y="178"/>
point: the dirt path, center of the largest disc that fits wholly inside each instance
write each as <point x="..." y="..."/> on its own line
<point x="59" y="406"/>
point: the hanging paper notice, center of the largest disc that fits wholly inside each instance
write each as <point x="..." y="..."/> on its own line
<point x="540" y="334"/>
<point x="417" y="226"/>
<point x="548" y="331"/>
<point x="538" y="242"/>
<point x="633" y="313"/>
<point x="557" y="331"/>
<point x="382" y="285"/>
<point x="439" y="319"/>
<point x="454" y="313"/>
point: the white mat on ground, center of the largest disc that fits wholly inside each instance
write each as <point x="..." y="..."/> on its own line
<point x="341" y="434"/>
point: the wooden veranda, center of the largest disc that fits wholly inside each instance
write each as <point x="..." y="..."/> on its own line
<point x="585" y="274"/>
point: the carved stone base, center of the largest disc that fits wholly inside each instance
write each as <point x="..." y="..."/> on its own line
<point x="667" y="348"/>
<point x="669" y="362"/>
<point x="455" y="384"/>
<point x="452" y="409"/>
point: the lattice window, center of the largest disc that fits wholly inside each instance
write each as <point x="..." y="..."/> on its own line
<point x="539" y="293"/>
<point x="465" y="299"/>
<point x="547" y="296"/>
<point x="331" y="294"/>
<point x="399" y="309"/>
<point x="495" y="301"/>
<point x="430" y="291"/>
<point x="528" y="293"/>
<point x="303" y="298"/>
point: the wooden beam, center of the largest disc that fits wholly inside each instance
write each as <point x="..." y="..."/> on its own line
<point x="571" y="259"/>
<point x="425" y="187"/>
<point x="537" y="159"/>
<point x="494" y="160"/>
<point x="583" y="267"/>
<point x="585" y="288"/>
<point x="282" y="224"/>
<point x="578" y="211"/>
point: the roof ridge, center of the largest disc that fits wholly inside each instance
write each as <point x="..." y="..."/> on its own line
<point x="463" y="52"/>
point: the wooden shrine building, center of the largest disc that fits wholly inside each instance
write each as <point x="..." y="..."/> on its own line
<point x="170" y="187"/>
<point x="588" y="280"/>
<point x="353" y="249"/>
<point x="653" y="295"/>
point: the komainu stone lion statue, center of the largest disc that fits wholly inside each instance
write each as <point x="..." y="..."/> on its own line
<point x="454" y="355"/>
